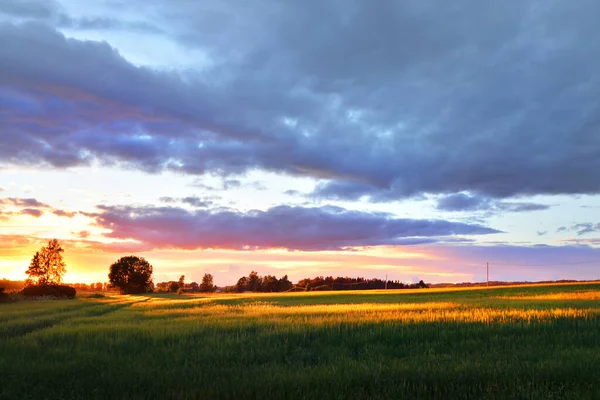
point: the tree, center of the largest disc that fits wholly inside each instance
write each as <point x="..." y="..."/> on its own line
<point x="181" y="282"/>
<point x="47" y="266"/>
<point x="254" y="282"/>
<point x="270" y="284"/>
<point x="207" y="283"/>
<point x="36" y="272"/>
<point x="285" y="284"/>
<point x="241" y="285"/>
<point x="131" y="275"/>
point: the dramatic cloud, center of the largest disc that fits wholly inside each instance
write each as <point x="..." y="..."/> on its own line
<point x="587" y="227"/>
<point x="31" y="207"/>
<point x="227" y="184"/>
<point x="466" y="202"/>
<point x="383" y="101"/>
<point x="18" y="202"/>
<point x="29" y="9"/>
<point x="463" y="202"/>
<point x="34" y="212"/>
<point x="292" y="228"/>
<point x="581" y="229"/>
<point x="83" y="234"/>
<point x="63" y="213"/>
<point x="191" y="200"/>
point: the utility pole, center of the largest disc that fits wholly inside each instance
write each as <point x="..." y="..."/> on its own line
<point x="487" y="279"/>
<point x="385" y="281"/>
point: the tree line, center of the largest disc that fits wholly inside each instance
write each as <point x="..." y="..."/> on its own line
<point x="269" y="283"/>
<point x="132" y="275"/>
<point x="206" y="285"/>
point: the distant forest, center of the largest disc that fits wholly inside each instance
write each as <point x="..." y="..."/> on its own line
<point x="270" y="283"/>
<point x="251" y="283"/>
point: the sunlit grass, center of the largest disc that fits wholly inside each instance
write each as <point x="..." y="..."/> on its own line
<point x="591" y="295"/>
<point x="414" y="313"/>
<point x="532" y="342"/>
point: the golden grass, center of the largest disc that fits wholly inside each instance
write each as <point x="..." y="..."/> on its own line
<point x="410" y="313"/>
<point x="591" y="295"/>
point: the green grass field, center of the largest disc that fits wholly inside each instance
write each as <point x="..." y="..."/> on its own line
<point x="535" y="342"/>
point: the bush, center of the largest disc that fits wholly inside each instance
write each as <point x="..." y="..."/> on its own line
<point x="59" y="291"/>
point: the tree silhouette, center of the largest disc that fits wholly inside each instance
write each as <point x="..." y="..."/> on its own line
<point x="241" y="285"/>
<point x="131" y="275"/>
<point x="284" y="284"/>
<point x="254" y="282"/>
<point x="207" y="283"/>
<point x="47" y="266"/>
<point x="270" y="284"/>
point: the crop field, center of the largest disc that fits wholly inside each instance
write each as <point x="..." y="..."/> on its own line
<point x="520" y="342"/>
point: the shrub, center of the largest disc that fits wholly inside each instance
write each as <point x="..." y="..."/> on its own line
<point x="59" y="291"/>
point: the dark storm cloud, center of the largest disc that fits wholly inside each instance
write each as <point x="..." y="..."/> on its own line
<point x="383" y="101"/>
<point x="466" y="202"/>
<point x="292" y="228"/>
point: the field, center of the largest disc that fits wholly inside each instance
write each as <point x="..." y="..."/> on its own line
<point x="525" y="342"/>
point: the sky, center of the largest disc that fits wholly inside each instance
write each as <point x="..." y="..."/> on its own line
<point x="410" y="139"/>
